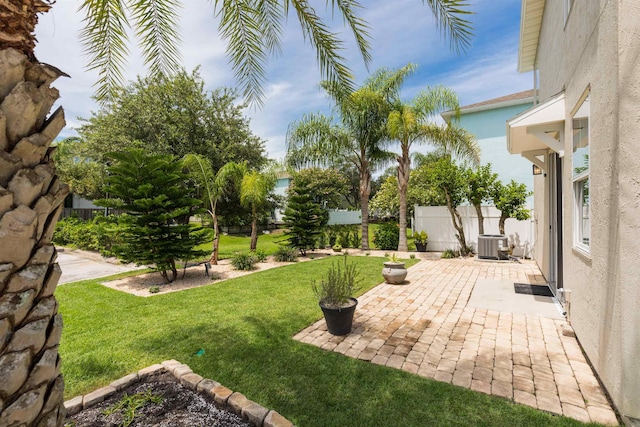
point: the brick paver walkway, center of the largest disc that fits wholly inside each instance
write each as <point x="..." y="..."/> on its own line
<point x="425" y="327"/>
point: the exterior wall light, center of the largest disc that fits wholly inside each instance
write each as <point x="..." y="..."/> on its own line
<point x="537" y="170"/>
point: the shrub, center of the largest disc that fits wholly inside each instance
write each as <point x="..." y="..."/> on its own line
<point x="260" y="255"/>
<point x="244" y="261"/>
<point x="286" y="254"/>
<point x="338" y="285"/>
<point x="94" y="235"/>
<point x="154" y="289"/>
<point x="449" y="253"/>
<point x="387" y="236"/>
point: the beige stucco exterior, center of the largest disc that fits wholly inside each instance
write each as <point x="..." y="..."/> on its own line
<point x="597" y="50"/>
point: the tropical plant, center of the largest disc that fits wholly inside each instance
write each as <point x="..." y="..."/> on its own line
<point x="420" y="237"/>
<point x="481" y="182"/>
<point x="413" y="123"/>
<point x="154" y="230"/>
<point x="358" y="137"/>
<point x="325" y="186"/>
<point x="244" y="261"/>
<point x="255" y="188"/>
<point x="211" y="187"/>
<point x="32" y="201"/>
<point x="511" y="201"/>
<point x="77" y="167"/>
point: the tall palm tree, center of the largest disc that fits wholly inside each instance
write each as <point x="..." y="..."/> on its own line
<point x="31" y="196"/>
<point x="412" y="123"/>
<point x="358" y="138"/>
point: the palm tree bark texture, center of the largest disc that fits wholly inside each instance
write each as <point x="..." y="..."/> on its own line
<point x="31" y="387"/>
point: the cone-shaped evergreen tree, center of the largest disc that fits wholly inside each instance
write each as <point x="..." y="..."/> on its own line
<point x="304" y="219"/>
<point x="154" y="228"/>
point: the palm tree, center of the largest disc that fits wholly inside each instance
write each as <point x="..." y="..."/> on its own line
<point x="212" y="187"/>
<point x="411" y="123"/>
<point x="31" y="195"/>
<point x="255" y="188"/>
<point x="358" y="138"/>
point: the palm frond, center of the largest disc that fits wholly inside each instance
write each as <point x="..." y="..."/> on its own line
<point x="455" y="141"/>
<point x="104" y="38"/>
<point x="272" y="16"/>
<point x="358" y="26"/>
<point x="315" y="140"/>
<point x="157" y="28"/>
<point x="450" y="20"/>
<point x="435" y="100"/>
<point x="326" y="44"/>
<point x="247" y="46"/>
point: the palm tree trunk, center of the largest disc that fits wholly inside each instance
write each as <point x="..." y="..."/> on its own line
<point x="480" y="218"/>
<point x="216" y="241"/>
<point x="31" y="197"/>
<point x="365" y="191"/>
<point x="254" y="228"/>
<point x="404" y="166"/>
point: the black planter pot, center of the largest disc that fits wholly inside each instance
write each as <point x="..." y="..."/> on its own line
<point x="339" y="320"/>
<point x="421" y="247"/>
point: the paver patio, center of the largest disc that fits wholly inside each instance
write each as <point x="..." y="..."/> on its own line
<point x="427" y="328"/>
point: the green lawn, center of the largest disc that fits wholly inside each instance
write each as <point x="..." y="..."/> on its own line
<point x="245" y="326"/>
<point x="231" y="244"/>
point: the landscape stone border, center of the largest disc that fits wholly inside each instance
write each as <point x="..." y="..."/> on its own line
<point x="250" y="411"/>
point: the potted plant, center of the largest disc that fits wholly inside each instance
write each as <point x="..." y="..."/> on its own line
<point x="394" y="271"/>
<point x="335" y="297"/>
<point x="420" y="240"/>
<point x="337" y="247"/>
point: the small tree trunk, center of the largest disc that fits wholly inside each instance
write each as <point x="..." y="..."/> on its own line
<point x="254" y="229"/>
<point x="457" y="224"/>
<point x="480" y="219"/>
<point x="404" y="165"/>
<point x="365" y="190"/>
<point x="503" y="218"/>
<point x="216" y="241"/>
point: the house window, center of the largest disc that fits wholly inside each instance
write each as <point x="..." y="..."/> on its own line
<point x="580" y="176"/>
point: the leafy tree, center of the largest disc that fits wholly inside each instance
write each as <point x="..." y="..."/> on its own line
<point x="481" y="183"/>
<point x="211" y="187"/>
<point x="413" y="123"/>
<point x="150" y="189"/>
<point x="449" y="179"/>
<point x="304" y="218"/>
<point x="27" y="225"/>
<point x="358" y="137"/>
<point x="511" y="200"/>
<point x="77" y="168"/>
<point x="174" y="115"/>
<point x="325" y="186"/>
<point x="386" y="201"/>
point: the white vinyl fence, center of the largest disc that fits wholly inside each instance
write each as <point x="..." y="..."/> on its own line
<point x="436" y="221"/>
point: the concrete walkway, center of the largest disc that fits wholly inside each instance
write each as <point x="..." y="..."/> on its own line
<point x="82" y="265"/>
<point x="428" y="327"/>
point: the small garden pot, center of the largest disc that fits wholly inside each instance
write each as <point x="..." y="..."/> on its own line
<point x="394" y="272"/>
<point x="421" y="247"/>
<point x="339" y="320"/>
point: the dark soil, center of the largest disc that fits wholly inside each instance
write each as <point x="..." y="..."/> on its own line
<point x="180" y="407"/>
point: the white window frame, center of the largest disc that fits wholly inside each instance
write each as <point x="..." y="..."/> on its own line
<point x="580" y="179"/>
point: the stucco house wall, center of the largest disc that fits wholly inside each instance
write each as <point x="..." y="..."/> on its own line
<point x="598" y="50"/>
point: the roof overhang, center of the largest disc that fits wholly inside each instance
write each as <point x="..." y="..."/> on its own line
<point x="538" y="128"/>
<point x="530" y="23"/>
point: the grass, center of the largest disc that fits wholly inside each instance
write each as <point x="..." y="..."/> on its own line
<point x="231" y="244"/>
<point x="245" y="326"/>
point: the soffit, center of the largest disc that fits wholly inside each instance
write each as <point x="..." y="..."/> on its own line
<point x="530" y="23"/>
<point x="537" y="128"/>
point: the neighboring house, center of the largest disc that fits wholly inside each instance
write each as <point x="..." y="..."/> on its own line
<point x="584" y="136"/>
<point x="283" y="182"/>
<point x="486" y="121"/>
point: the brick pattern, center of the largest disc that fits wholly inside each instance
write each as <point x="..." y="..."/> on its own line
<point x="426" y="328"/>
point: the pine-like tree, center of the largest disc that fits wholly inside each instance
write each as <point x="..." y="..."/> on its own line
<point x="150" y="189"/>
<point x="304" y="219"/>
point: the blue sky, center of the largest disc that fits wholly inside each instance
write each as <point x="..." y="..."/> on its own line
<point x="402" y="31"/>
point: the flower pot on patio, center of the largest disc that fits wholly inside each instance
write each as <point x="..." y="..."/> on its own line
<point x="394" y="272"/>
<point x="340" y="319"/>
<point x="421" y="247"/>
